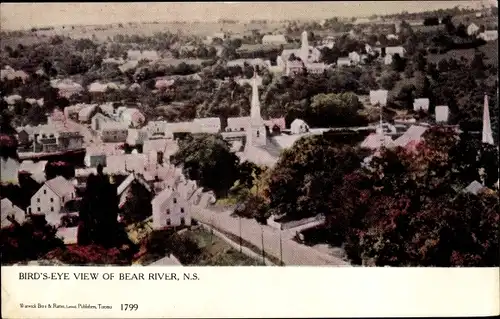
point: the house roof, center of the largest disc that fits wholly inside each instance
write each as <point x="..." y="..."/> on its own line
<point x="125" y="184"/>
<point x="212" y="121"/>
<point x="163" y="196"/>
<point x="274" y="38"/>
<point x="9" y="209"/>
<point x="60" y="186"/>
<point x="414" y="133"/>
<point x="474" y="188"/>
<point x="242" y="121"/>
<point x="86" y="111"/>
<point x="375" y="141"/>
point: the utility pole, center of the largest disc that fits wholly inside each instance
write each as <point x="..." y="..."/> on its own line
<point x="241" y="239"/>
<point x="263" y="253"/>
<point x="211" y="231"/>
<point x="281" y="250"/>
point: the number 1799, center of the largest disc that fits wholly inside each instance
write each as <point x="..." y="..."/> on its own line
<point x="129" y="307"/>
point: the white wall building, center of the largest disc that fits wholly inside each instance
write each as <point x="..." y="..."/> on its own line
<point x="472" y="29"/>
<point x="170" y="209"/>
<point x="208" y="124"/>
<point x="442" y="113"/>
<point x="421" y="104"/>
<point x="378" y="97"/>
<point x="132" y="117"/>
<point x="298" y="126"/>
<point x="49" y="200"/>
<point x="489" y="35"/>
<point x="156" y="129"/>
<point x="276" y="39"/>
<point x="114" y="132"/>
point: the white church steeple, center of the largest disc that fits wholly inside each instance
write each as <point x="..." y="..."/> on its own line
<point x="304" y="48"/>
<point x="487" y="134"/>
<point x="255" y="104"/>
<point x="257" y="132"/>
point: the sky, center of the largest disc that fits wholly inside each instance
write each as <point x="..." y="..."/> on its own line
<point x="26" y="15"/>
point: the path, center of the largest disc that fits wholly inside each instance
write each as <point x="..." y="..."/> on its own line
<point x="293" y="252"/>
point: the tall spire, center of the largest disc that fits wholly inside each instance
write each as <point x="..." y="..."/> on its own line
<point x="304" y="48"/>
<point x="255" y="105"/>
<point x="487" y="134"/>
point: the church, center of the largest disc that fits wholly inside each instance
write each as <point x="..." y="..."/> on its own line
<point x="252" y="131"/>
<point x="307" y="57"/>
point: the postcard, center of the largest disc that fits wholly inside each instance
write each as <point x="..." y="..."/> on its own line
<point x="249" y="159"/>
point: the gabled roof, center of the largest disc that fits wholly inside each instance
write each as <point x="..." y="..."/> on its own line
<point x="414" y="133"/>
<point x="125" y="184"/>
<point x="474" y="188"/>
<point x="162" y="197"/>
<point x="60" y="186"/>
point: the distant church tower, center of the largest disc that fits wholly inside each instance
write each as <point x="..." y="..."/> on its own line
<point x="256" y="135"/>
<point x="304" y="48"/>
<point x="487" y="134"/>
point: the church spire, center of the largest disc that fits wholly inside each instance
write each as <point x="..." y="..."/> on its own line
<point x="487" y="134"/>
<point x="304" y="48"/>
<point x="255" y="105"/>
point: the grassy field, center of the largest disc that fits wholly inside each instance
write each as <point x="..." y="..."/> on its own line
<point x="147" y="29"/>
<point x="216" y="252"/>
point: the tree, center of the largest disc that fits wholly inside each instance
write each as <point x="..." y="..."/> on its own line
<point x="431" y="21"/>
<point x="30" y="240"/>
<point x="398" y="63"/>
<point x="99" y="214"/>
<point x="303" y="181"/>
<point x="138" y="205"/>
<point x="335" y="109"/>
<point x="208" y="160"/>
<point x="388" y="80"/>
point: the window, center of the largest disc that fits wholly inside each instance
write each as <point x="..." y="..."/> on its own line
<point x="38" y="209"/>
<point x="183" y="222"/>
<point x="44" y="191"/>
<point x="175" y="200"/>
<point x="168" y="211"/>
<point x="258" y="133"/>
<point x="38" y="200"/>
<point x="52" y="209"/>
<point x="51" y="200"/>
<point x="242" y="129"/>
<point x="62" y="199"/>
<point x="168" y="221"/>
<point x="182" y="210"/>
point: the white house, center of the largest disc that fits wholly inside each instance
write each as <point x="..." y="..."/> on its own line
<point x="355" y="57"/>
<point x="49" y="200"/>
<point x="170" y="209"/>
<point x="378" y="97"/>
<point x="98" y="120"/>
<point x="298" y="126"/>
<point x="421" y="104"/>
<point x="137" y="136"/>
<point x="237" y="124"/>
<point x="156" y="129"/>
<point x="208" y="124"/>
<point x="388" y="59"/>
<point x="489" y="35"/>
<point x="395" y="50"/>
<point x="274" y="39"/>
<point x="85" y="114"/>
<point x="442" y="113"/>
<point x="472" y="29"/>
<point x="132" y="117"/>
<point x="113" y="132"/>
<point x="343" y="61"/>
<point x="392" y="37"/>
<point x="10" y="210"/>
